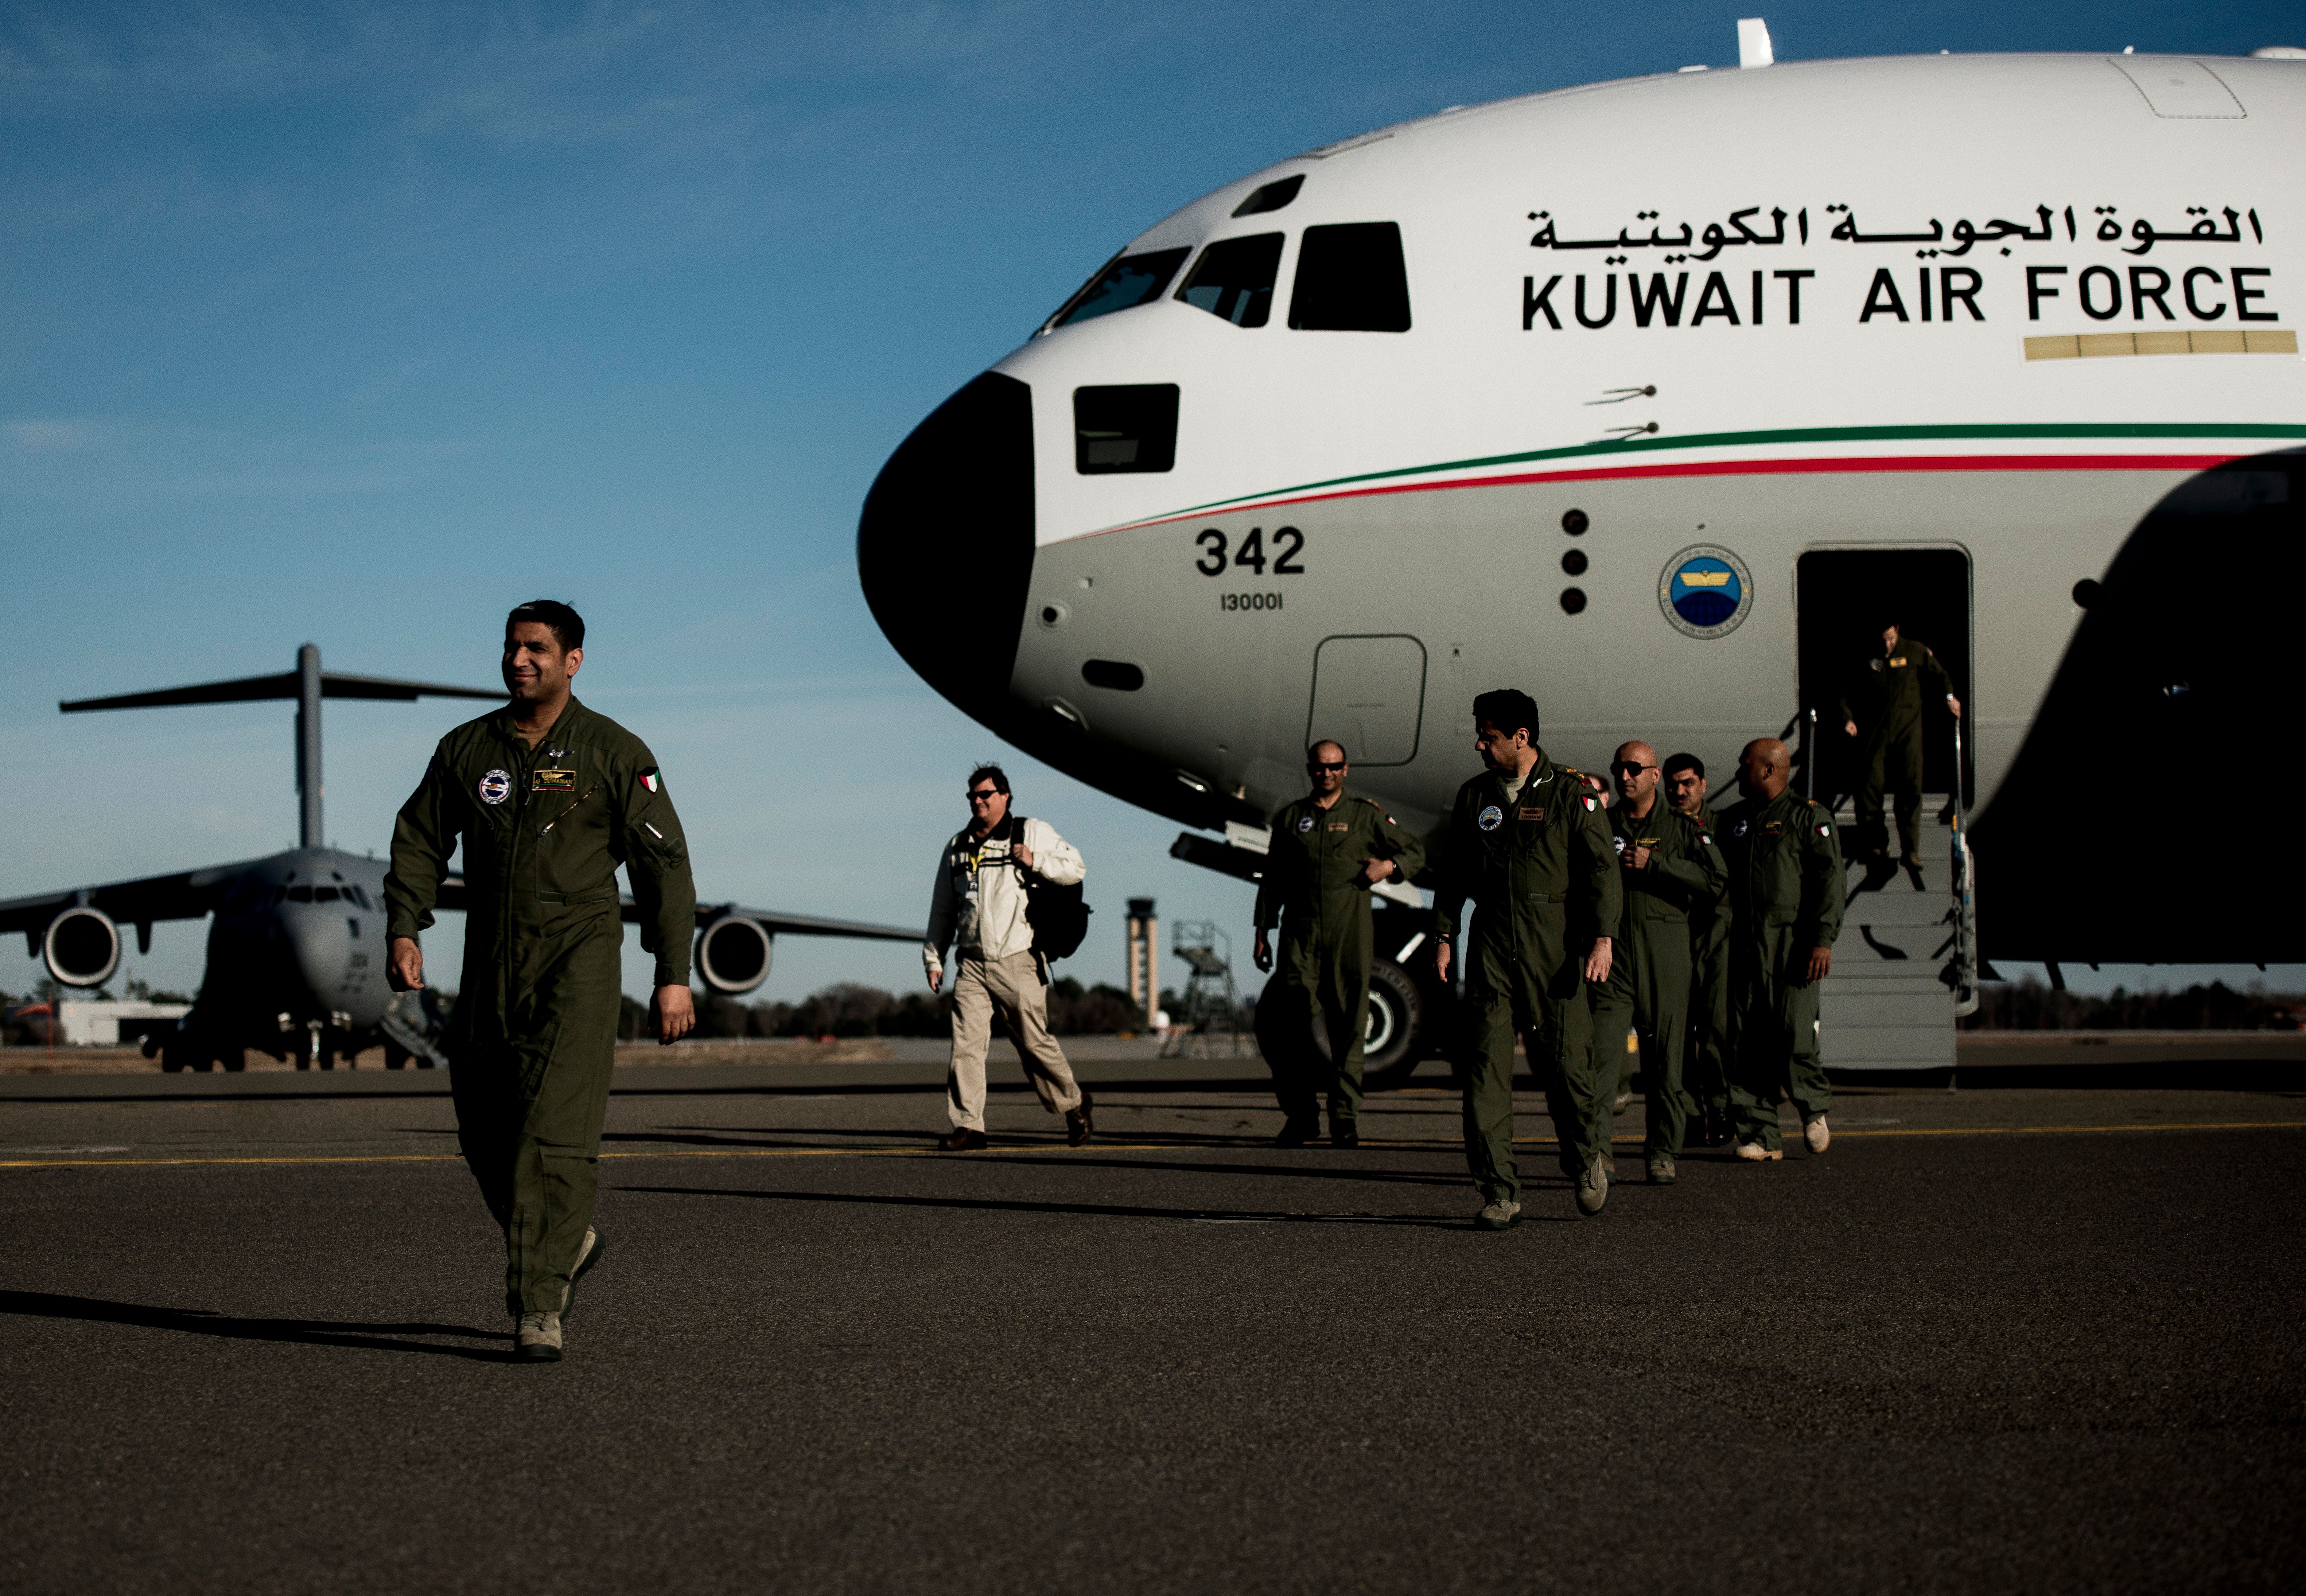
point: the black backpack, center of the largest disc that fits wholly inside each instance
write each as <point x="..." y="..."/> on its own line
<point x="1058" y="915"/>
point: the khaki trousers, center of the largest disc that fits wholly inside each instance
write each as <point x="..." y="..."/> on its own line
<point x="1013" y="987"/>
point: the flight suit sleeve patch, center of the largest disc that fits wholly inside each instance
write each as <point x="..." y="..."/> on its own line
<point x="651" y="779"/>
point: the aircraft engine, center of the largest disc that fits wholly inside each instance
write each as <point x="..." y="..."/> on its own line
<point x="733" y="953"/>
<point x="82" y="947"/>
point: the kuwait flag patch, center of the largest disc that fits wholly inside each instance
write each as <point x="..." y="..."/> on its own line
<point x="650" y="780"/>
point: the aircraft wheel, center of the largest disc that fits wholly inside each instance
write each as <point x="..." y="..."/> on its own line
<point x="206" y="1063"/>
<point x="235" y="1060"/>
<point x="1397" y="1012"/>
<point x="396" y="1056"/>
<point x="172" y="1060"/>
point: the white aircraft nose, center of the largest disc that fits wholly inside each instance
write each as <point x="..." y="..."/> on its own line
<point x="945" y="546"/>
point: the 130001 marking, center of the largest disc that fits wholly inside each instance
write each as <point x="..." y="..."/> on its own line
<point x="1288" y="543"/>
<point x="1249" y="601"/>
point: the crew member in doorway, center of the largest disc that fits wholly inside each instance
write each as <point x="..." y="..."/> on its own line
<point x="1705" y="1077"/>
<point x="549" y="799"/>
<point x="1883" y="707"/>
<point x="1328" y="848"/>
<point x="1527" y="842"/>
<point x="1670" y="869"/>
<point x="1785" y="905"/>
<point x="979" y="902"/>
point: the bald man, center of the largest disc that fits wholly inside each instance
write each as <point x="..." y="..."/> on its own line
<point x="1669" y="869"/>
<point x="1785" y="912"/>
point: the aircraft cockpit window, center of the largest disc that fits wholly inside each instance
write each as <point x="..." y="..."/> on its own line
<point x="1234" y="279"/>
<point x="357" y="896"/>
<point x="280" y="895"/>
<point x="1128" y="427"/>
<point x="1272" y="196"/>
<point x="300" y="894"/>
<point x="324" y="894"/>
<point x="1126" y="282"/>
<point x="1350" y="279"/>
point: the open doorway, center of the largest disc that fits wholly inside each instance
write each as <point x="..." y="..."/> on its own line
<point x="1844" y="598"/>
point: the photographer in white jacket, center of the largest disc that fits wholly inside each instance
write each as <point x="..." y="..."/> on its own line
<point x="979" y="904"/>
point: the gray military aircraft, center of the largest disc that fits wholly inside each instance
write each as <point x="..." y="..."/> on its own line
<point x="295" y="955"/>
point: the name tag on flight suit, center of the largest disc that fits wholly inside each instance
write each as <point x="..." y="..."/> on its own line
<point x="1536" y="814"/>
<point x="553" y="781"/>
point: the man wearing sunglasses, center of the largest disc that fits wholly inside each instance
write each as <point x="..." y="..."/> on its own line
<point x="1527" y="842"/>
<point x="1670" y="868"/>
<point x="1705" y="1074"/>
<point x="979" y="904"/>
<point x="1327" y="849"/>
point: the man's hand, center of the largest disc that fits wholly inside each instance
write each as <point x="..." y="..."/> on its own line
<point x="1441" y="960"/>
<point x="404" y="965"/>
<point x="1850" y="727"/>
<point x="936" y="979"/>
<point x="1262" y="953"/>
<point x="1954" y="704"/>
<point x="673" y="1009"/>
<point x="1821" y="960"/>
<point x="1597" y="962"/>
<point x="1023" y="855"/>
<point x="1635" y="857"/>
<point x="1376" y="870"/>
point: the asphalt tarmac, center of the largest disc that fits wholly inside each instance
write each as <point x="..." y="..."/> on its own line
<point x="2023" y="1340"/>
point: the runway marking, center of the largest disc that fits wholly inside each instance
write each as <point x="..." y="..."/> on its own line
<point x="1102" y="1147"/>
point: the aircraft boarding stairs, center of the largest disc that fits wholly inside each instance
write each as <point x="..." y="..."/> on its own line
<point x="1905" y="966"/>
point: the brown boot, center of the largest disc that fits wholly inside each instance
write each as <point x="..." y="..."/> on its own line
<point x="1078" y="1126"/>
<point x="963" y="1141"/>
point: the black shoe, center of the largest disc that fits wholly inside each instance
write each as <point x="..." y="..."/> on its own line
<point x="595" y="1243"/>
<point x="1344" y="1133"/>
<point x="962" y="1141"/>
<point x="1078" y="1126"/>
<point x="1296" y="1133"/>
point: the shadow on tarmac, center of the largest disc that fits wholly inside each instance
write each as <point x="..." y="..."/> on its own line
<point x="199" y="1321"/>
<point x="1094" y="1209"/>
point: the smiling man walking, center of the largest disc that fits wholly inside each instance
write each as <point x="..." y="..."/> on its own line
<point x="548" y="799"/>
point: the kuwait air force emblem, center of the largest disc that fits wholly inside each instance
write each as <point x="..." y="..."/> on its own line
<point x="496" y="786"/>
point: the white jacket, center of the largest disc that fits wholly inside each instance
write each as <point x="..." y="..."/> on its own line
<point x="979" y="898"/>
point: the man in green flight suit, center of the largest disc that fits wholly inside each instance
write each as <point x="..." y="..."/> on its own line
<point x="1883" y="707"/>
<point x="1527" y="842"/>
<point x="1669" y="869"/>
<point x="549" y="799"/>
<point x="1785" y="909"/>
<point x="1705" y="1077"/>
<point x="1327" y="849"/>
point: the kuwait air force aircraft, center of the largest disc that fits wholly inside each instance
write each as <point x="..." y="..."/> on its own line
<point x="295" y="955"/>
<point x="1657" y="399"/>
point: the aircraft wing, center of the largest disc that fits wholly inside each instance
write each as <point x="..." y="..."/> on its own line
<point x="187" y="895"/>
<point x="776" y="923"/>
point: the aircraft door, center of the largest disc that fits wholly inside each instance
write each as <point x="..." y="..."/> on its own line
<point x="1368" y="694"/>
<point x="1844" y="598"/>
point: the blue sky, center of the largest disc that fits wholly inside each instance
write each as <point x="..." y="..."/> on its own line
<point x="356" y="324"/>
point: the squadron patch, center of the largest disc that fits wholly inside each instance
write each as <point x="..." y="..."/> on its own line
<point x="1738" y="829"/>
<point x="1490" y="819"/>
<point x="652" y="780"/>
<point x="547" y="781"/>
<point x="1304" y="824"/>
<point x="496" y="786"/>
